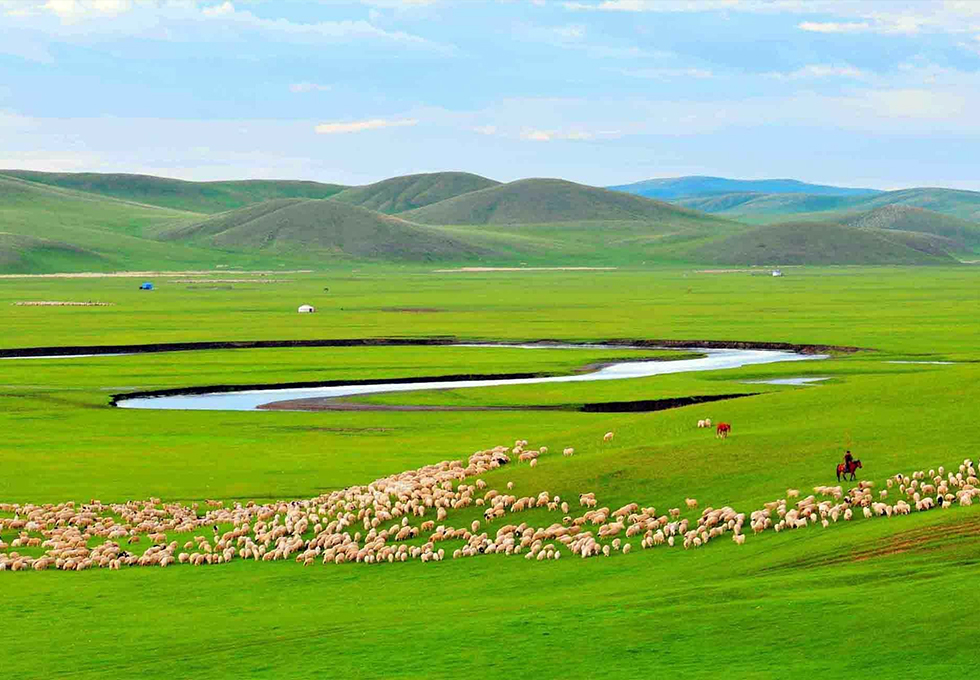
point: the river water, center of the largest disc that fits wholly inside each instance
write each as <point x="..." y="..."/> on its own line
<point x="248" y="400"/>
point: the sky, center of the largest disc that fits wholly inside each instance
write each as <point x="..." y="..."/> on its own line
<point x="859" y="93"/>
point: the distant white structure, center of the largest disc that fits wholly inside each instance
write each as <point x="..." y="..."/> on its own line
<point x="777" y="272"/>
<point x="306" y="309"/>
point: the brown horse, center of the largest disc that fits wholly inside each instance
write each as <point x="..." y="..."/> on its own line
<point x="844" y="469"/>
<point x="723" y="430"/>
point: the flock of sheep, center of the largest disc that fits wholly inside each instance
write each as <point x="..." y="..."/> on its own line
<point x="407" y="517"/>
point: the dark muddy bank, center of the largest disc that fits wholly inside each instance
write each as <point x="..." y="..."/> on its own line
<point x="641" y="406"/>
<point x="413" y="342"/>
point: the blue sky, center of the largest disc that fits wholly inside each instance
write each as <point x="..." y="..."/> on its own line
<point x="881" y="94"/>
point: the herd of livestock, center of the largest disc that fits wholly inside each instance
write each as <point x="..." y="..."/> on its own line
<point x="408" y="517"/>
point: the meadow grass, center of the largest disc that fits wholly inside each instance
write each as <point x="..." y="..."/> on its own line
<point x="870" y="596"/>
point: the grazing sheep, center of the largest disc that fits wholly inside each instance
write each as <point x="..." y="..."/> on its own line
<point x="691" y="503"/>
<point x="534" y="462"/>
<point x="608" y="437"/>
<point x="568" y="452"/>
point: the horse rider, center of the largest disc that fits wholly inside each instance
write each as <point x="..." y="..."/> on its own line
<point x="848" y="460"/>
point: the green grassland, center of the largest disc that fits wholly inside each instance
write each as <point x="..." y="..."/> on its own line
<point x="861" y="597"/>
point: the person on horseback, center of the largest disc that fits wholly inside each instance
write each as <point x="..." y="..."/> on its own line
<point x="848" y="459"/>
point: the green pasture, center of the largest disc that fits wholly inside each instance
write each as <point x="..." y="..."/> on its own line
<point x="882" y="596"/>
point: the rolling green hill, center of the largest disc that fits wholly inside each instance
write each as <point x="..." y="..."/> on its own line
<point x="203" y="197"/>
<point x="400" y="194"/>
<point x="327" y="228"/>
<point x="50" y="229"/>
<point x="906" y="218"/>
<point x="768" y="207"/>
<point x="20" y="254"/>
<point x="812" y="243"/>
<point x="543" y="201"/>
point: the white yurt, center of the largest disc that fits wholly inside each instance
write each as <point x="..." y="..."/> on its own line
<point x="306" y="309"/>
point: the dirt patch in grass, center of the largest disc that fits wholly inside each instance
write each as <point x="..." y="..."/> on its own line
<point x="412" y="310"/>
<point x="641" y="406"/>
<point x="471" y="270"/>
<point x="55" y="303"/>
<point x="919" y="539"/>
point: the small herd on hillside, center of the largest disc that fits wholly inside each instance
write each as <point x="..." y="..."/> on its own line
<point x="378" y="522"/>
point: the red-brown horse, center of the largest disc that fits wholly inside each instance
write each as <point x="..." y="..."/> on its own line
<point x="848" y="469"/>
<point x="723" y="430"/>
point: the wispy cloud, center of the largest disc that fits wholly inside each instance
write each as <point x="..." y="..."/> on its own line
<point x="188" y="21"/>
<point x="485" y="129"/>
<point x="533" y="135"/>
<point x="362" y="125"/>
<point x="309" y="87"/>
<point x="668" y="73"/>
<point x="821" y="71"/>
<point x="834" y="27"/>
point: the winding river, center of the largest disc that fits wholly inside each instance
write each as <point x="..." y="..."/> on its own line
<point x="249" y="400"/>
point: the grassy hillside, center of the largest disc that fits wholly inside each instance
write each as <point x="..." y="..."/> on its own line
<point x="769" y="207"/>
<point x="963" y="233"/>
<point x="542" y="201"/>
<point x="204" y="197"/>
<point x="20" y="254"/>
<point x="670" y="188"/>
<point x="824" y="243"/>
<point x="399" y="194"/>
<point x="50" y="229"/>
<point x="328" y="227"/>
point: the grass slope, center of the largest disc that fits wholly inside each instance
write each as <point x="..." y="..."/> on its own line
<point x="329" y="227"/>
<point x="679" y="187"/>
<point x="768" y="207"/>
<point x="541" y="201"/>
<point x="825" y="243"/>
<point x="400" y="194"/>
<point x="204" y="197"/>
<point x="963" y="233"/>
<point x="20" y="254"/>
<point x="64" y="230"/>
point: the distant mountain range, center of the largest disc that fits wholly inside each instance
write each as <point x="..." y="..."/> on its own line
<point x="672" y="188"/>
<point x="91" y="222"/>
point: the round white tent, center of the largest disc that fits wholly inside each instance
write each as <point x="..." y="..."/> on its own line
<point x="306" y="309"/>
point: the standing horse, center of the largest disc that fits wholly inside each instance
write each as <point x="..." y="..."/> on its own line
<point x="723" y="430"/>
<point x="848" y="469"/>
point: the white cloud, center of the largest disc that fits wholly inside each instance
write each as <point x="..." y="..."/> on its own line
<point x="362" y="125"/>
<point x="907" y="17"/>
<point x="821" y="71"/>
<point x="309" y="87"/>
<point x="72" y="10"/>
<point x="219" y="10"/>
<point x="668" y="73"/>
<point x="834" y="27"/>
<point x="485" y="129"/>
<point x="89" y="22"/>
<point x="533" y="135"/>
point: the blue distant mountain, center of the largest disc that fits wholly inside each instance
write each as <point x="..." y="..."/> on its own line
<point x="671" y="188"/>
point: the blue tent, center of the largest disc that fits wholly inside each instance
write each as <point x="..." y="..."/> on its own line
<point x="146" y="286"/>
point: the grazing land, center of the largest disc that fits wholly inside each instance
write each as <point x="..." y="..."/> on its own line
<point x="777" y="606"/>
